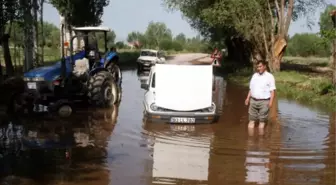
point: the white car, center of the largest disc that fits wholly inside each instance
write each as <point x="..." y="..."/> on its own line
<point x="180" y="94"/>
<point x="150" y="57"/>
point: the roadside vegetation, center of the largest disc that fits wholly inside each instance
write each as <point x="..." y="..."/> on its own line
<point x="258" y="30"/>
<point x="306" y="69"/>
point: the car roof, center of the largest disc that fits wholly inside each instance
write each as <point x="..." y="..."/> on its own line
<point x="92" y="28"/>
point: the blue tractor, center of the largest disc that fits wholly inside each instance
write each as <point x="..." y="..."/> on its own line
<point x="85" y="76"/>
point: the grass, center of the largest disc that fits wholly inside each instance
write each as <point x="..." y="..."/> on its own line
<point x="310" y="61"/>
<point x="305" y="87"/>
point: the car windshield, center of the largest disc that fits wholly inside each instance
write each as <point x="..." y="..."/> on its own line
<point x="148" y="53"/>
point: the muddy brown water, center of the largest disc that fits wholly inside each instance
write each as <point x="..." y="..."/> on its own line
<point x="115" y="147"/>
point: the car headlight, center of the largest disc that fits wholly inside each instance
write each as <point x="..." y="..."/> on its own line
<point x="212" y="108"/>
<point x="154" y="107"/>
<point x="38" y="79"/>
<point x="26" y="79"/>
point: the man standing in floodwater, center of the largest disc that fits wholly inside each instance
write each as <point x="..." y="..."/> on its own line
<point x="260" y="96"/>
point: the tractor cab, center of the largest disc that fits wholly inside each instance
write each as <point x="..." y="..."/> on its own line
<point x="91" y="37"/>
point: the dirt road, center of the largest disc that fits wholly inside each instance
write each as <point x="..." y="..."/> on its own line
<point x="187" y="58"/>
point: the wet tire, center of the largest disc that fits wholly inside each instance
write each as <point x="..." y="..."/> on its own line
<point x="62" y="108"/>
<point x="102" y="89"/>
<point x="116" y="72"/>
<point x="119" y="94"/>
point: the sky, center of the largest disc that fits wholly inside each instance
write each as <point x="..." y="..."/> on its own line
<point x="125" y="16"/>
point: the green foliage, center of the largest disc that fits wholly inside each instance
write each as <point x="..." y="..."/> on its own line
<point x="327" y="30"/>
<point x="325" y="21"/>
<point x="9" y="11"/>
<point x="50" y="31"/>
<point x="110" y="36"/>
<point x="120" y="45"/>
<point x="81" y="12"/>
<point x="158" y="35"/>
<point x="223" y="21"/>
<point x="307" y="44"/>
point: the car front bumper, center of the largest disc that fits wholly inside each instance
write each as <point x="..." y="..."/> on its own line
<point x="180" y="117"/>
<point x="146" y="65"/>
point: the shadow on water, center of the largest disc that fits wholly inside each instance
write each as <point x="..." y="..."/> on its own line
<point x="297" y="148"/>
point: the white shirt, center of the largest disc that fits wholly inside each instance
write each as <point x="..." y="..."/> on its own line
<point x="261" y="85"/>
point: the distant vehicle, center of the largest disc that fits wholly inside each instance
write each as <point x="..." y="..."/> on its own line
<point x="150" y="57"/>
<point x="185" y="97"/>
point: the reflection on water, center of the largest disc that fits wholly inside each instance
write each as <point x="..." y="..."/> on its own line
<point x="179" y="156"/>
<point x="58" y="149"/>
<point x="257" y="159"/>
<point x="119" y="148"/>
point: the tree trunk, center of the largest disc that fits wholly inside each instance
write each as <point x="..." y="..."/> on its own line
<point x="35" y="33"/>
<point x="333" y="18"/>
<point x="42" y="32"/>
<point x="28" y="35"/>
<point x="334" y="62"/>
<point x="7" y="55"/>
<point x="278" y="52"/>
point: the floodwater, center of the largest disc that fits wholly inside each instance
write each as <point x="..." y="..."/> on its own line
<point x="115" y="147"/>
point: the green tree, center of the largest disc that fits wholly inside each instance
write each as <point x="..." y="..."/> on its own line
<point x="307" y="44"/>
<point x="120" y="45"/>
<point x="81" y="12"/>
<point x="181" y="38"/>
<point x="258" y="27"/>
<point x="157" y="32"/>
<point x="137" y="36"/>
<point x="110" y="36"/>
<point x="9" y="12"/>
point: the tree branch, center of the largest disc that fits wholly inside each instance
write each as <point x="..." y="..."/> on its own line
<point x="277" y="9"/>
<point x="288" y="17"/>
<point x="282" y="16"/>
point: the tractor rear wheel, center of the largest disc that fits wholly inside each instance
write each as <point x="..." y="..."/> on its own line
<point x="102" y="90"/>
<point x="116" y="72"/>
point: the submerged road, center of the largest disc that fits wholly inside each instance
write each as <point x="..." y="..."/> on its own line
<point x="116" y="147"/>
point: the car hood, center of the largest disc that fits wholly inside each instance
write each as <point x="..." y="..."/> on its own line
<point x="190" y="88"/>
<point x="147" y="58"/>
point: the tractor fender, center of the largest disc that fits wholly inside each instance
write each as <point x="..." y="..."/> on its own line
<point x="97" y="70"/>
<point x="111" y="57"/>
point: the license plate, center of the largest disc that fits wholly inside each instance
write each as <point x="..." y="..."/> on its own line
<point x="182" y="127"/>
<point x="182" y="120"/>
<point x="31" y="85"/>
<point x="147" y="64"/>
<point x="40" y="108"/>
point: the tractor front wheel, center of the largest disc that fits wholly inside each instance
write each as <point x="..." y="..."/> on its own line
<point x="102" y="90"/>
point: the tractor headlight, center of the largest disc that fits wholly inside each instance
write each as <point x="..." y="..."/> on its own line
<point x="38" y="79"/>
<point x="212" y="108"/>
<point x="26" y="79"/>
<point x="154" y="107"/>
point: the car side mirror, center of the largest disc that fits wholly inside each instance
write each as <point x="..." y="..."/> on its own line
<point x="144" y="86"/>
